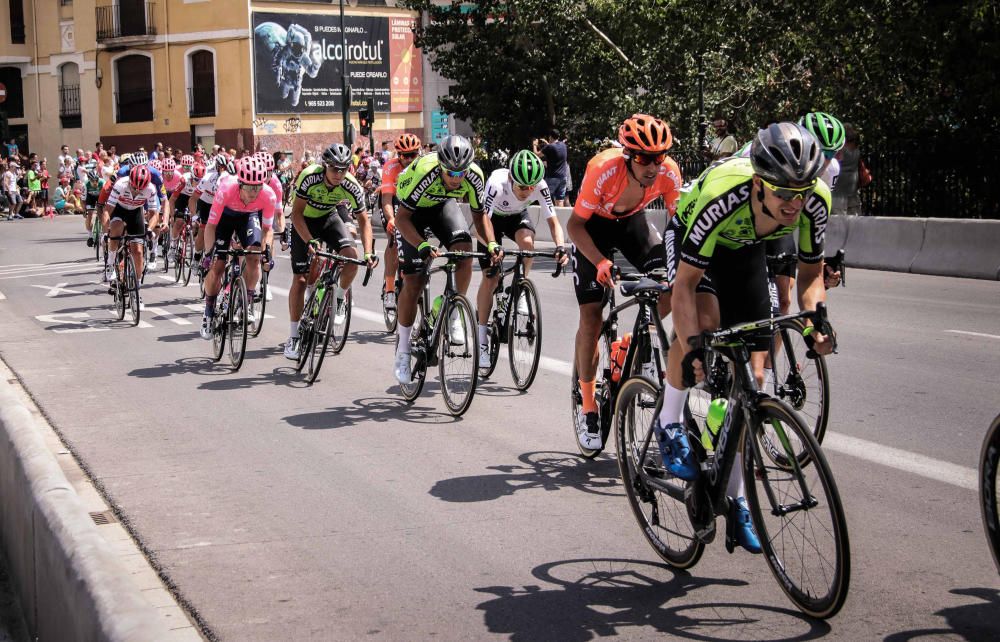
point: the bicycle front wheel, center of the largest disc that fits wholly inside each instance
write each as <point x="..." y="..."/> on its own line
<point x="388" y="313"/>
<point x="458" y="366"/>
<point x="187" y="253"/>
<point x="524" y="336"/>
<point x="132" y="288"/>
<point x="419" y="348"/>
<point x="322" y="329"/>
<point x="220" y="326"/>
<point x="989" y="491"/>
<point x="237" y="322"/>
<point x="340" y="330"/>
<point x="802" y="383"/>
<point x="656" y="497"/>
<point x="121" y="299"/>
<point x="259" y="304"/>
<point x="797" y="513"/>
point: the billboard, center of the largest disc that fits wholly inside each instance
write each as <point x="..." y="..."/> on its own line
<point x="299" y="60"/>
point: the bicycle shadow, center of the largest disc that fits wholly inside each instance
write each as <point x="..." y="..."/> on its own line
<point x="377" y="337"/>
<point x="545" y="470"/>
<point x="600" y="597"/>
<point x="376" y="409"/>
<point x="186" y="365"/>
<point x="489" y="387"/>
<point x="281" y="376"/>
<point x="975" y="621"/>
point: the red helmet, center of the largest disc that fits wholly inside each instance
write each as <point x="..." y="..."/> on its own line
<point x="407" y="143"/>
<point x="251" y="171"/>
<point x="187" y="160"/>
<point x="139" y="177"/>
<point x="645" y="134"/>
<point x="198" y="171"/>
<point x="168" y="166"/>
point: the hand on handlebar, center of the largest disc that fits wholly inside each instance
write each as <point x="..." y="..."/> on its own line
<point x="561" y="256"/>
<point x="390" y="226"/>
<point x="496" y="253"/>
<point x="831" y="278"/>
<point x="312" y="246"/>
<point x="372" y="259"/>
<point x="606" y="273"/>
<point x="427" y="251"/>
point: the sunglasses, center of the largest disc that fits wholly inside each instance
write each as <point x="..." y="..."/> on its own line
<point x="337" y="170"/>
<point x="454" y="174"/>
<point x="648" y="159"/>
<point x="524" y="188"/>
<point x="410" y="155"/>
<point x="251" y="188"/>
<point x="791" y="193"/>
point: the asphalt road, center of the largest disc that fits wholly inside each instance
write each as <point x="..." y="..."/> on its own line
<point x="338" y="511"/>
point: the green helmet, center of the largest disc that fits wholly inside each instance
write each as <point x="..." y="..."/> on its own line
<point x="826" y="128"/>
<point x="526" y="168"/>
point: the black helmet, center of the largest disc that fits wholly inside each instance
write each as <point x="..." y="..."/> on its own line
<point x="455" y="153"/>
<point x="786" y="154"/>
<point x="337" y="155"/>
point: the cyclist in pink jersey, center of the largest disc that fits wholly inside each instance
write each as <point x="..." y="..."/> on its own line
<point x="242" y="207"/>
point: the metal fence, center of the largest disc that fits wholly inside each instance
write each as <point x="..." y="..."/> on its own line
<point x="125" y="18"/>
<point x="69" y="100"/>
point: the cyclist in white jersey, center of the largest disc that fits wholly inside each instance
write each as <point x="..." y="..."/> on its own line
<point x="204" y="196"/>
<point x="124" y="208"/>
<point x="181" y="204"/>
<point x="508" y="194"/>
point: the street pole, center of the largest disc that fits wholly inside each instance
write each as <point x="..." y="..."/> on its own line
<point x="345" y="83"/>
<point x="702" y="125"/>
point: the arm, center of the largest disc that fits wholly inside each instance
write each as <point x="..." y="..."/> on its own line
<point x="404" y="224"/>
<point x="578" y="234"/>
<point x="390" y="217"/>
<point x="812" y="291"/>
<point x="365" y="227"/>
<point x="298" y="220"/>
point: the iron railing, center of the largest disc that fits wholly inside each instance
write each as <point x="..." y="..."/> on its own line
<point x="69" y="100"/>
<point x="201" y="101"/>
<point x="134" y="106"/>
<point x="126" y="18"/>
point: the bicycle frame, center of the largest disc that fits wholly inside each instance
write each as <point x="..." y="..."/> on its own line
<point x="503" y="313"/>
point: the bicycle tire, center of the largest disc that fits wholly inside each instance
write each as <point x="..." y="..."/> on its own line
<point x="418" y="366"/>
<point x="388" y="314"/>
<point x="340" y="332"/>
<point x="527" y="340"/>
<point x="96" y="234"/>
<point x="179" y="260"/>
<point x="776" y="529"/>
<point x="675" y="543"/>
<point x="237" y="322"/>
<point x="806" y="386"/>
<point x="132" y="288"/>
<point x="989" y="492"/>
<point x="165" y="245"/>
<point x="321" y="331"/>
<point x="220" y="326"/>
<point x="259" y="304"/>
<point x="188" y="246"/>
<point x="603" y="394"/>
<point x="457" y="392"/>
<point x="120" y="300"/>
<point x="306" y="323"/>
<point x="493" y="334"/>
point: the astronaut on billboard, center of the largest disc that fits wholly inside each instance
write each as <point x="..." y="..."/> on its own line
<point x="293" y="53"/>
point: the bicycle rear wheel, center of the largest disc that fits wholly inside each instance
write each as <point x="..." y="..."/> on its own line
<point x="989" y="491"/>
<point x="797" y="513"/>
<point x="603" y="395"/>
<point x="259" y="303"/>
<point x="310" y="312"/>
<point x="524" y="337"/>
<point x="178" y="255"/>
<point x="419" y="347"/>
<point x="458" y="366"/>
<point x="802" y="383"/>
<point x="340" y="331"/>
<point x="220" y="325"/>
<point x="237" y="321"/>
<point x="164" y="242"/>
<point x="322" y="329"/>
<point x="656" y="497"/>
<point x="97" y="234"/>
<point x="132" y="288"/>
<point x="187" y="241"/>
<point x="388" y="314"/>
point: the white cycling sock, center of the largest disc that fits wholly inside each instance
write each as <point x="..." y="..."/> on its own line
<point x="736" y="487"/>
<point x="673" y="404"/>
<point x="293" y="329"/>
<point x="404" y="338"/>
<point x="484" y="332"/>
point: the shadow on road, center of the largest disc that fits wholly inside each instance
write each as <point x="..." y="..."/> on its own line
<point x="583" y="599"/>
<point x="379" y="410"/>
<point x="378" y="337"/>
<point x="547" y="471"/>
<point x="187" y="365"/>
<point x="975" y="621"/>
<point x="283" y="376"/>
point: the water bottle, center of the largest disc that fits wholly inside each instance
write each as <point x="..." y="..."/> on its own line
<point x="713" y="422"/>
<point x="320" y="291"/>
<point x="436" y="307"/>
<point x="618" y="355"/>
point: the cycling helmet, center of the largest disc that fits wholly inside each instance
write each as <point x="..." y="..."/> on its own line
<point x="645" y="134"/>
<point x="337" y="155"/>
<point x="407" y="144"/>
<point x="140" y="158"/>
<point x="250" y="171"/>
<point x="157" y="165"/>
<point x="168" y="166"/>
<point x="92" y="175"/>
<point x="139" y="177"/>
<point x="125" y="159"/>
<point x="786" y="154"/>
<point x="187" y="160"/>
<point x="224" y="164"/>
<point x="526" y="168"/>
<point x="827" y="129"/>
<point x="266" y="159"/>
<point x="198" y="171"/>
<point x="455" y="153"/>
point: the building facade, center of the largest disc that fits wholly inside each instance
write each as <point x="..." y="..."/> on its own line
<point x="244" y="75"/>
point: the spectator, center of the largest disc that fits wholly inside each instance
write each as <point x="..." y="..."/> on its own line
<point x="34" y="182"/>
<point x="10" y="150"/>
<point x="112" y="153"/>
<point x="43" y="184"/>
<point x="98" y="148"/>
<point x="846" y="199"/>
<point x="66" y="161"/>
<point x="385" y="153"/>
<point x="10" y="190"/>
<point x="723" y="144"/>
<point x="74" y="203"/>
<point x="157" y="152"/>
<point x="553" y="153"/>
<point x="62" y="192"/>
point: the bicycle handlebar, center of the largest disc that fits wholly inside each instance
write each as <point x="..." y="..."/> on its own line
<point x="818" y="317"/>
<point x="836" y="264"/>
<point x="340" y="258"/>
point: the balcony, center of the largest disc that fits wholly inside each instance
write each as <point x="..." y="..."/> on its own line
<point x="201" y="101"/>
<point x="69" y="106"/>
<point x="126" y="22"/>
<point x="134" y="106"/>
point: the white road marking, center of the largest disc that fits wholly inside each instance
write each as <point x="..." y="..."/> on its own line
<point x="902" y="460"/>
<point x="58" y="272"/>
<point x="29" y="267"/>
<point x="975" y="334"/>
<point x="69" y="318"/>
<point x="57" y="289"/>
<point x="277" y="290"/>
<point x="160" y="312"/>
<point x="2" y="297"/>
<point x="142" y="323"/>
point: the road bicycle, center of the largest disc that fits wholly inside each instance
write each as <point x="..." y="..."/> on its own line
<point x="640" y="352"/>
<point x="184" y="264"/>
<point x="258" y="298"/>
<point x="229" y="323"/>
<point x="389" y="312"/>
<point x="989" y="488"/>
<point x="517" y="320"/>
<point x="790" y="490"/>
<point x="318" y="326"/>
<point x="432" y="343"/>
<point x="96" y="236"/>
<point x="125" y="288"/>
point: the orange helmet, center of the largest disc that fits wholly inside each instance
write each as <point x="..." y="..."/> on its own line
<point x="407" y="143"/>
<point x="645" y="134"/>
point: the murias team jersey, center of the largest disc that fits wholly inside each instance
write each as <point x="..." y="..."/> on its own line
<point x="321" y="198"/>
<point x="500" y="198"/>
<point x="715" y="211"/>
<point x="420" y="185"/>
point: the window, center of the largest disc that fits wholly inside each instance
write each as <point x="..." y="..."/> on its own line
<point x="69" y="96"/>
<point x="17" y="22"/>
<point x="133" y="89"/>
<point x="201" y="92"/>
<point x="11" y="79"/>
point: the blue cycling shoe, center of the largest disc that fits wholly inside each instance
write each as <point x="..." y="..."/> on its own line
<point x="743" y="527"/>
<point x="676" y="451"/>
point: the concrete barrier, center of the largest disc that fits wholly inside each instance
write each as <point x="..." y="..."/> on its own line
<point x="71" y="585"/>
<point x="884" y="243"/>
<point x="836" y="234"/>
<point x="964" y="248"/>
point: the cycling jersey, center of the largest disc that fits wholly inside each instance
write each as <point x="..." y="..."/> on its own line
<point x="715" y="211"/>
<point x="390" y="174"/>
<point x="420" y="185"/>
<point x="189" y="185"/>
<point x="500" y="198"/>
<point x="275" y="186"/>
<point x="93" y="189"/>
<point x="228" y="201"/>
<point x="606" y="179"/>
<point x="123" y="196"/>
<point x="102" y="197"/>
<point x="157" y="179"/>
<point x="172" y="181"/>
<point x="321" y="199"/>
<point x="207" y="186"/>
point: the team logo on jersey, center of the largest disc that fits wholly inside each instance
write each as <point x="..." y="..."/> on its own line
<point x="717" y="211"/>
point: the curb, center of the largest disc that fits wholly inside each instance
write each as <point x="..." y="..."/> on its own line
<point x="69" y="580"/>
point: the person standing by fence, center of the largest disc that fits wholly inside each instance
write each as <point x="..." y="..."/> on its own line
<point x="846" y="199"/>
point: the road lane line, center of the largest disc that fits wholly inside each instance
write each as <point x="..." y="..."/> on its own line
<point x="142" y="322"/>
<point x="55" y="290"/>
<point x="160" y="312"/>
<point x="975" y="334"/>
<point x="58" y="272"/>
<point x="2" y="297"/>
<point x="903" y="460"/>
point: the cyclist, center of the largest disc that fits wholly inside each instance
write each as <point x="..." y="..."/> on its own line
<point x="427" y="192"/>
<point x="244" y="207"/>
<point x="717" y="271"/>
<point x="509" y="192"/>
<point x="407" y="150"/>
<point x="152" y="216"/>
<point x="93" y="188"/>
<point x="609" y="214"/>
<point x="325" y="195"/>
<point x="204" y="195"/>
<point x="181" y="197"/>
<point x="129" y="196"/>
